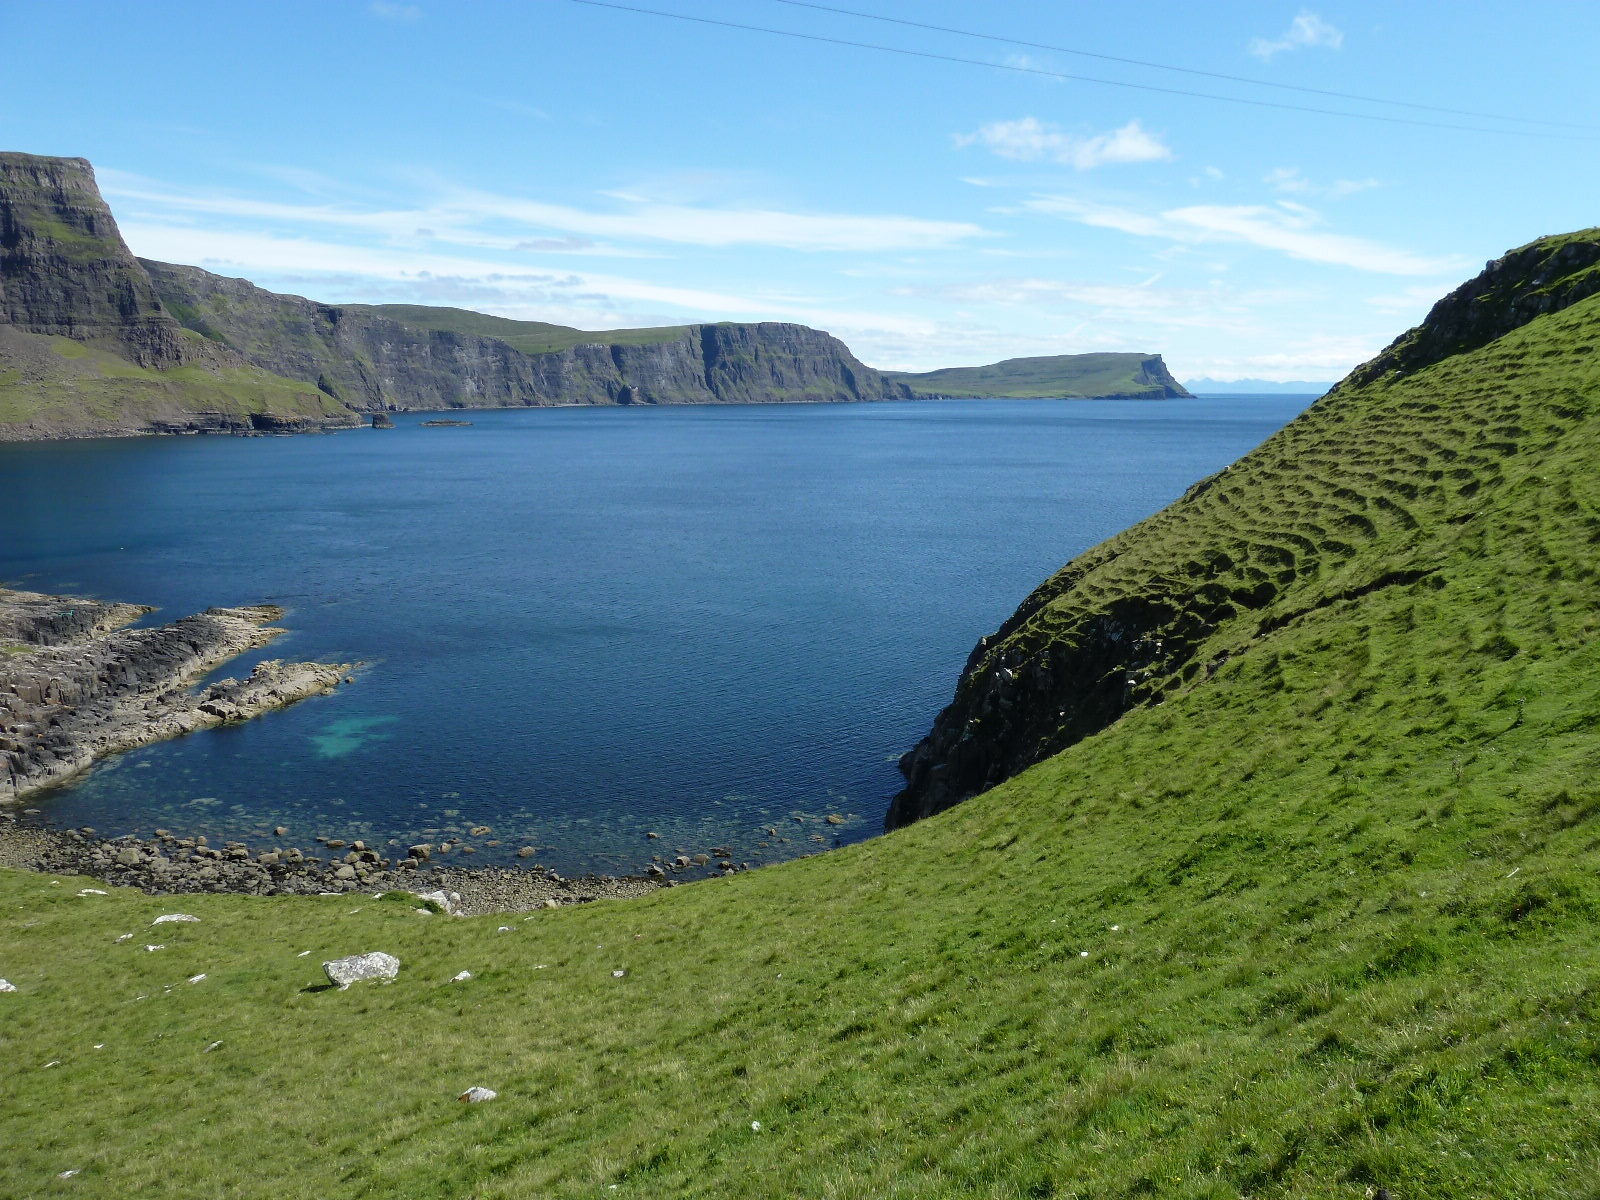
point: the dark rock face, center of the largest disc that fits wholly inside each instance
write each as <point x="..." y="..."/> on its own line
<point x="381" y="420"/>
<point x="64" y="269"/>
<point x="1531" y="281"/>
<point x="1118" y="625"/>
<point x="371" y="362"/>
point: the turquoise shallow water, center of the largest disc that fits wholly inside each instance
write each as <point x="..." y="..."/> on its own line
<point x="585" y="624"/>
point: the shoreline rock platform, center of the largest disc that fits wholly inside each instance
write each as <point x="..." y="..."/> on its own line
<point x="77" y="683"/>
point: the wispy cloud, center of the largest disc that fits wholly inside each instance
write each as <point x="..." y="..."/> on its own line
<point x="1304" y="31"/>
<point x="1289" y="181"/>
<point x="475" y="218"/>
<point x="391" y="11"/>
<point x="1289" y="229"/>
<point x="1029" y="139"/>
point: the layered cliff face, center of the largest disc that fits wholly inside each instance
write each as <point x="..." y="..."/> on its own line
<point x="64" y="269"/>
<point x="1375" y="490"/>
<point x="86" y="347"/>
<point x="371" y="361"/>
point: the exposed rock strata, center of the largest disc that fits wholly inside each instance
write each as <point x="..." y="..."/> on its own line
<point x="371" y="362"/>
<point x="76" y="684"/>
<point x="86" y="348"/>
<point x="1531" y="281"/>
<point x="64" y="269"/>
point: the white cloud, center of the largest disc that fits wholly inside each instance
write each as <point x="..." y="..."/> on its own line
<point x="1288" y="229"/>
<point x="1414" y="301"/>
<point x="1316" y="357"/>
<point x="390" y="11"/>
<point x="1289" y="180"/>
<point x="1305" y="30"/>
<point x="1029" y="139"/>
<point x="484" y="219"/>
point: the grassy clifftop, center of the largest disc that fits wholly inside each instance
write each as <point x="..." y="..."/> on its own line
<point x="1056" y="376"/>
<point x="530" y="337"/>
<point x="1318" y="922"/>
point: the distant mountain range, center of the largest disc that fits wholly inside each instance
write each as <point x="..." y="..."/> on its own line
<point x="1254" y="387"/>
<point x="1055" y="376"/>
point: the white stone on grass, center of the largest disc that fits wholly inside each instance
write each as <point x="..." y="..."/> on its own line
<point x="7" y="986"/>
<point x="94" y="892"/>
<point x="197" y="978"/>
<point x="477" y="1095"/>
<point x="166" y="918"/>
<point x="127" y="937"/>
<point x="377" y="965"/>
<point x="445" y="900"/>
<point x="461" y="977"/>
<point x="163" y="946"/>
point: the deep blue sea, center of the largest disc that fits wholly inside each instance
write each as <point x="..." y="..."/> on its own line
<point x="583" y="624"/>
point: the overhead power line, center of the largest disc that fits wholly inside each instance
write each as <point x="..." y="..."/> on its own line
<point x="1139" y="62"/>
<point x="1120" y="83"/>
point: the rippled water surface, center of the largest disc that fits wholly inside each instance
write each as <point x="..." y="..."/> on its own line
<point x="586" y="624"/>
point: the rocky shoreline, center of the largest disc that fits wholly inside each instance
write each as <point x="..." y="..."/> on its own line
<point x="170" y="865"/>
<point x="77" y="684"/>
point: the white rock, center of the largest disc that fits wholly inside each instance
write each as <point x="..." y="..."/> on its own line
<point x="459" y="977"/>
<point x="756" y="1126"/>
<point x="212" y="1047"/>
<point x="504" y="929"/>
<point x="197" y="978"/>
<point x="54" y="1062"/>
<point x="618" y="974"/>
<point x="445" y="900"/>
<point x="164" y="918"/>
<point x="302" y="954"/>
<point x="127" y="937"/>
<point x="163" y="946"/>
<point x="94" y="892"/>
<point x="377" y="965"/>
<point x="7" y="986"/>
<point x="477" y="1095"/>
<point x="68" y="1174"/>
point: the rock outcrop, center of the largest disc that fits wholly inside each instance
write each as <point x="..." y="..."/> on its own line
<point x="370" y="361"/>
<point x="1167" y="604"/>
<point x="76" y="684"/>
<point x="1531" y="281"/>
<point x="86" y="347"/>
<point x="64" y="269"/>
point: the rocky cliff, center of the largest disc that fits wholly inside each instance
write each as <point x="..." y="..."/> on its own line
<point x="1365" y="492"/>
<point x="372" y="362"/>
<point x="64" y="269"/>
<point x="86" y="347"/>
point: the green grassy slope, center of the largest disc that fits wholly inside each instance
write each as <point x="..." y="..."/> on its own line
<point x="530" y="337"/>
<point x="1319" y="922"/>
<point x="54" y="386"/>
<point x="1053" y="376"/>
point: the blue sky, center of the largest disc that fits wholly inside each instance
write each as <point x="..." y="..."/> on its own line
<point x="563" y="162"/>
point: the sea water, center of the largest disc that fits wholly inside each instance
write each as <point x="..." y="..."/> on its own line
<point x="584" y="625"/>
